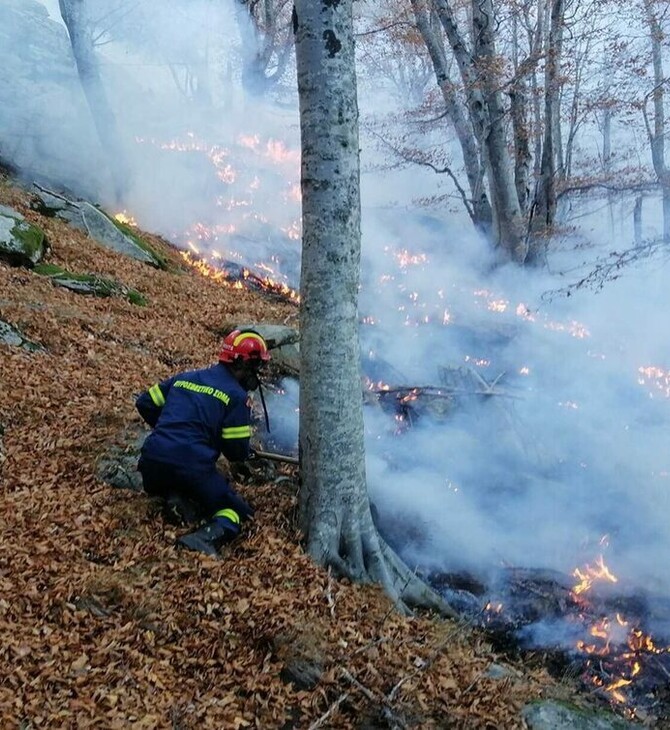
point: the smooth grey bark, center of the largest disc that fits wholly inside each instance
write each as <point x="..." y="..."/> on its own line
<point x="656" y="130"/>
<point x="545" y="211"/>
<point x="520" y="95"/>
<point x="479" y="207"/>
<point x="334" y="506"/>
<point x="484" y="102"/>
<point x="79" y="29"/>
<point x="507" y="210"/>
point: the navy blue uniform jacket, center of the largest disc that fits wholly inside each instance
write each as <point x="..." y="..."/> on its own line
<point x="196" y="416"/>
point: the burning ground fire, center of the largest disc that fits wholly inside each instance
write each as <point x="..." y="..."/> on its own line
<point x="618" y="658"/>
<point x="594" y="632"/>
<point x="240" y="278"/>
<point x="618" y="652"/>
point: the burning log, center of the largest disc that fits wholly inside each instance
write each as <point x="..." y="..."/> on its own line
<point x="461" y="387"/>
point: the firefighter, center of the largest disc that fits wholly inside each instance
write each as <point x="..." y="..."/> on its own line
<point x="196" y="416"/>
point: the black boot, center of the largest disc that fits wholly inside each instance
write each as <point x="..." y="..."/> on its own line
<point x="211" y="537"/>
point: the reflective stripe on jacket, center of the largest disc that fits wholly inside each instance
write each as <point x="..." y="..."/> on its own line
<point x="196" y="416"/>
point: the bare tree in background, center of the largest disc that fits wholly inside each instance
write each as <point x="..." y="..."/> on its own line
<point x="269" y="52"/>
<point x="477" y="203"/>
<point x="656" y="126"/>
<point x="334" y="505"/>
<point x="80" y="30"/>
<point x="480" y="78"/>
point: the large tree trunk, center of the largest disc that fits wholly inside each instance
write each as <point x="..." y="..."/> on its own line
<point x="334" y="507"/>
<point x="79" y="29"/>
<point x="479" y="207"/>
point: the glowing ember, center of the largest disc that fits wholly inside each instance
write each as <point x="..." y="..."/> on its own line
<point x="655" y="377"/>
<point x="480" y="362"/>
<point x="498" y="305"/>
<point x="575" y="329"/>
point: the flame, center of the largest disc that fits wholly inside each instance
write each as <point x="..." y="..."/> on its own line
<point x="590" y="575"/>
<point x="620" y="648"/>
<point x="219" y="274"/>
<point x="125" y="218"/>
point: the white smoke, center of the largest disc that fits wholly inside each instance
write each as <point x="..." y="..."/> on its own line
<point x="572" y="447"/>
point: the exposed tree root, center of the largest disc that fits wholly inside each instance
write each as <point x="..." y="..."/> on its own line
<point x="356" y="551"/>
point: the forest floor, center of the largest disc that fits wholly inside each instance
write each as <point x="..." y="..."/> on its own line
<point x="104" y="623"/>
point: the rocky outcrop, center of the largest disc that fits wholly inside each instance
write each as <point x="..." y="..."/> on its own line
<point x="21" y="242"/>
<point x="44" y="121"/>
<point x="118" y="465"/>
<point x="98" y="225"/>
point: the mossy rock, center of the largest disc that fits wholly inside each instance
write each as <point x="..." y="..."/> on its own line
<point x="21" y="242"/>
<point x="161" y="261"/>
<point x="9" y="335"/>
<point x="92" y="284"/>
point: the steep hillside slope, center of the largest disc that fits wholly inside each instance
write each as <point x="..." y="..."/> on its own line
<point x="104" y="623"/>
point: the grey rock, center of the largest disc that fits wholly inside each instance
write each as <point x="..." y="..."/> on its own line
<point x="48" y="203"/>
<point x="303" y="674"/>
<point x="9" y="335"/>
<point x="93" y="286"/>
<point x="8" y="212"/>
<point x="42" y="105"/>
<point x="118" y="466"/>
<point x="553" y="715"/>
<point x="276" y="335"/>
<point x="103" y="229"/>
<point x="500" y="671"/>
<point x="94" y="222"/>
<point x="21" y="242"/>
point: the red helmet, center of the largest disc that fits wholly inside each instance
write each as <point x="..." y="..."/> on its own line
<point x="244" y="345"/>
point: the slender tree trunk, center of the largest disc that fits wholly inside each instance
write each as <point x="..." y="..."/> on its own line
<point x="477" y="70"/>
<point x="479" y="208"/>
<point x="637" y="220"/>
<point x="537" y="103"/>
<point x="518" y="95"/>
<point x="73" y="13"/>
<point x="656" y="131"/>
<point x="546" y="196"/>
<point x="334" y="506"/>
<point x="507" y="211"/>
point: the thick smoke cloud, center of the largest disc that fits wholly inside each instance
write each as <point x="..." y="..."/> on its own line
<point x="572" y="447"/>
